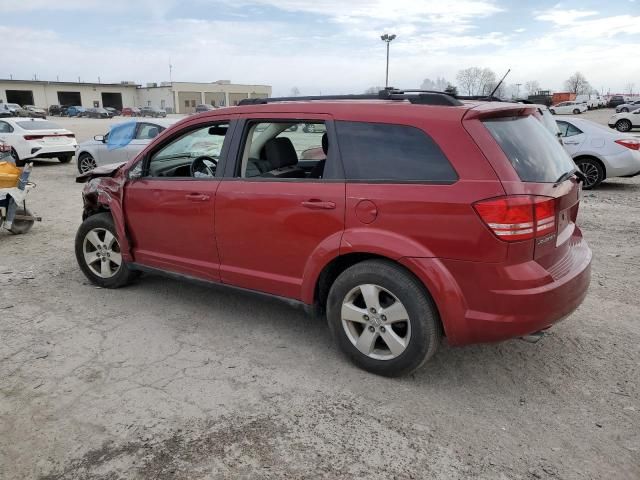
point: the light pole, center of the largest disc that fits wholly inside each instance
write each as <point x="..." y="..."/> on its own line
<point x="387" y="39"/>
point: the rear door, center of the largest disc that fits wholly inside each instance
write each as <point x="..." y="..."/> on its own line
<point x="272" y="219"/>
<point x="572" y="137"/>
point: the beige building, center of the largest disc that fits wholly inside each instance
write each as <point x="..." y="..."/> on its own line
<point x="175" y="97"/>
<point x="43" y="93"/>
<point x="182" y="97"/>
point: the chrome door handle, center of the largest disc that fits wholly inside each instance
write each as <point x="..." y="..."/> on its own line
<point x="197" y="197"/>
<point x="318" y="205"/>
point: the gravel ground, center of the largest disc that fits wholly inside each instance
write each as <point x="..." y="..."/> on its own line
<point x="167" y="380"/>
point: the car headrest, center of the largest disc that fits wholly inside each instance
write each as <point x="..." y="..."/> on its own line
<point x="280" y="152"/>
<point x="325" y="143"/>
<point x="153" y="132"/>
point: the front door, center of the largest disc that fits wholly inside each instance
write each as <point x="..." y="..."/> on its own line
<point x="274" y="216"/>
<point x="170" y="211"/>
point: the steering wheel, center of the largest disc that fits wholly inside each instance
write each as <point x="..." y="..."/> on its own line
<point x="204" y="166"/>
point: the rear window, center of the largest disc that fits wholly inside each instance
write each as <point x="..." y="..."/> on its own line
<point x="379" y="151"/>
<point x="532" y="150"/>
<point x="35" y="125"/>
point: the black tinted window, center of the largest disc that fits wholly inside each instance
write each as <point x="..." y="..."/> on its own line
<point x="379" y="151"/>
<point x="534" y="153"/>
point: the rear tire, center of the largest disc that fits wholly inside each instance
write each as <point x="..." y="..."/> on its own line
<point x="391" y="346"/>
<point x="576" y="111"/>
<point x="623" y="125"/>
<point x="65" y="158"/>
<point x="553" y="112"/>
<point x="98" y="253"/>
<point x="16" y="159"/>
<point x="625" y="110"/>
<point x="592" y="170"/>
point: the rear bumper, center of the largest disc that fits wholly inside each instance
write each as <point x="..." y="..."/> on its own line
<point x="475" y="306"/>
<point x="50" y="151"/>
<point x="623" y="164"/>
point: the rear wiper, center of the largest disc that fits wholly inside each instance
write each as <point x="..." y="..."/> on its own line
<point x="565" y="176"/>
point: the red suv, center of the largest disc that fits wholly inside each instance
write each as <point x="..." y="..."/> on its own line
<point x="427" y="217"/>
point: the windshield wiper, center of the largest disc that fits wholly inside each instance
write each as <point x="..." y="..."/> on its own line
<point x="565" y="176"/>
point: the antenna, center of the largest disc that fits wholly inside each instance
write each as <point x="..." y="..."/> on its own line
<point x="499" y="83"/>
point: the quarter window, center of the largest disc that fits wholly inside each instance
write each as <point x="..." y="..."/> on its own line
<point x="380" y="151"/>
<point x="567" y="129"/>
<point x="5" y="127"/>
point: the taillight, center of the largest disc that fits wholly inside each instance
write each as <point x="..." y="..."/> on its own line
<point x="518" y="217"/>
<point x="4" y="147"/>
<point x="631" y="143"/>
<point x="33" y="137"/>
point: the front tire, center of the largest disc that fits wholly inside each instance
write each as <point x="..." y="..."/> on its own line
<point x="592" y="170"/>
<point x="553" y="112"/>
<point x="382" y="318"/>
<point x="625" y="110"/>
<point x="576" y="111"/>
<point x="86" y="163"/>
<point x="98" y="253"/>
<point x="623" y="125"/>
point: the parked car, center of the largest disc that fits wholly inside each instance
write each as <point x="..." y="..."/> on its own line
<point x="628" y="106"/>
<point x="598" y="152"/>
<point x="616" y="100"/>
<point x="73" y="111"/>
<point x="96" y="113"/>
<point x="36" y="138"/>
<point x="5" y="111"/>
<point x="153" y="112"/>
<point x="56" y="110"/>
<point x="131" y="112"/>
<point x="35" y="111"/>
<point x="204" y="108"/>
<point x="568" y="108"/>
<point x="624" y="122"/>
<point x="114" y="111"/>
<point x="96" y="152"/>
<point x="432" y="217"/>
<point x="5" y="152"/>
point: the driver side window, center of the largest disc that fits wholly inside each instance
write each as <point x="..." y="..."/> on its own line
<point x="192" y="155"/>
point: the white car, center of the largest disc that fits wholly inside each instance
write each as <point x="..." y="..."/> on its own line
<point x="625" y="121"/>
<point x="568" y="108"/>
<point x="32" y="138"/>
<point x="598" y="152"/>
<point x="95" y="152"/>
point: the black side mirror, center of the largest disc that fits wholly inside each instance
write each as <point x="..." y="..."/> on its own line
<point x="221" y="131"/>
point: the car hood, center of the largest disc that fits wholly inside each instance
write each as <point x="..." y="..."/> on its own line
<point x="102" y="171"/>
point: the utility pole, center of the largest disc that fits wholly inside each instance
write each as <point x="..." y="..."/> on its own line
<point x="387" y="39"/>
<point x="170" y="72"/>
<point x="518" y="90"/>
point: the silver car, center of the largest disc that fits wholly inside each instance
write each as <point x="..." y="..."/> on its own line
<point x="95" y="152"/>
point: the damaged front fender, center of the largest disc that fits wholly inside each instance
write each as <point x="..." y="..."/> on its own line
<point x="104" y="192"/>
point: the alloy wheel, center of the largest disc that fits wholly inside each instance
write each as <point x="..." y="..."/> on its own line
<point x="102" y="252"/>
<point x="623" y="126"/>
<point x="87" y="163"/>
<point x="376" y="322"/>
<point x="590" y="172"/>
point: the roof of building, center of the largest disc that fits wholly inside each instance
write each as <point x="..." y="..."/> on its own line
<point x="55" y="82"/>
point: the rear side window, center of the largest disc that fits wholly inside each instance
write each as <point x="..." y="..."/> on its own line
<point x="534" y="153"/>
<point x="380" y="151"/>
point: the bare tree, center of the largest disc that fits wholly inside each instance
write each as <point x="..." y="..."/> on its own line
<point x="440" y="84"/>
<point x="469" y="79"/>
<point x="476" y="81"/>
<point x="629" y="88"/>
<point x="532" y="87"/>
<point x="295" y="91"/>
<point x="578" y="84"/>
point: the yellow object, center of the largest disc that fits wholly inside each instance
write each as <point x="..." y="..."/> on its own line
<point x="9" y="175"/>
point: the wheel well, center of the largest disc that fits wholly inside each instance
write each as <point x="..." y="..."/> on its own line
<point x="595" y="159"/>
<point x="339" y="264"/>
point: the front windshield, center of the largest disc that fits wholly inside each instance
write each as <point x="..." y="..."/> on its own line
<point x="205" y="141"/>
